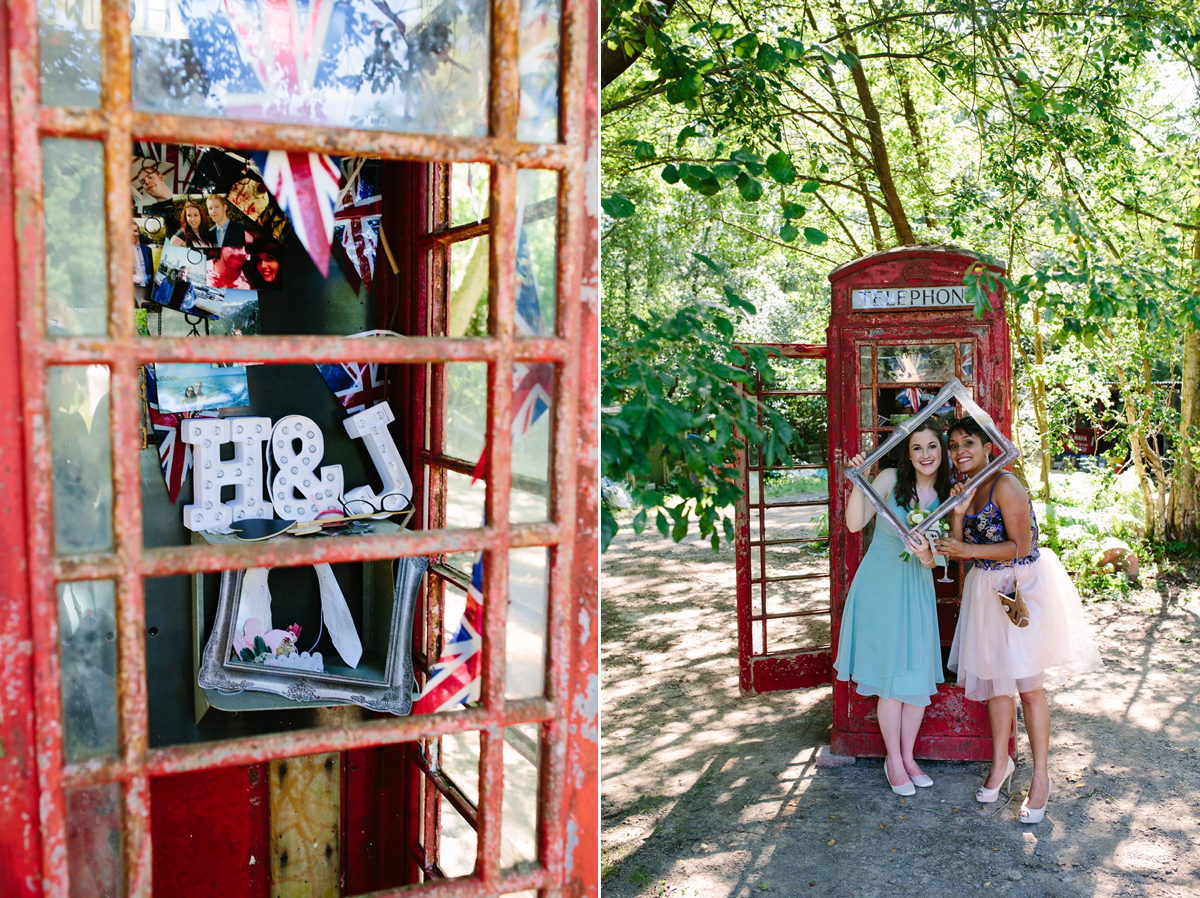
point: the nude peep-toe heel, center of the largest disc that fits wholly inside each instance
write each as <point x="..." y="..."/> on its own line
<point x="1035" y="815"/>
<point x="985" y="795"/>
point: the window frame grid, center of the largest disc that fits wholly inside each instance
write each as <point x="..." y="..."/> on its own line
<point x="114" y="124"/>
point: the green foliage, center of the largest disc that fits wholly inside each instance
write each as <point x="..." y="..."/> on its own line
<point x="678" y="389"/>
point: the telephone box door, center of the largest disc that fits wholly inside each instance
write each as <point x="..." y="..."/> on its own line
<point x="782" y="539"/>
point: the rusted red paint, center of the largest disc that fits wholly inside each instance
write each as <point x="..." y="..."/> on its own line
<point x="228" y="852"/>
<point x="20" y="860"/>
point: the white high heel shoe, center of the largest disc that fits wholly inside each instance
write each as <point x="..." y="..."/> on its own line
<point x="1035" y="815"/>
<point x="985" y="795"/>
<point x="904" y="789"/>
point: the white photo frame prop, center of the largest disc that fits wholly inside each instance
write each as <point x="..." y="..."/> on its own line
<point x="953" y="390"/>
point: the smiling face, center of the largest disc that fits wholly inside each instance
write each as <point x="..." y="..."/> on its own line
<point x="968" y="451"/>
<point x="925" y="452"/>
<point x="216" y="208"/>
<point x="191" y="214"/>
<point x="268" y="267"/>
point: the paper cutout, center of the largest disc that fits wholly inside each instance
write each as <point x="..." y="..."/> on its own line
<point x="336" y="614"/>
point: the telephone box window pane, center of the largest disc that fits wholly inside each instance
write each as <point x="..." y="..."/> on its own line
<point x="94" y="841"/>
<point x="87" y="643"/>
<point x="866" y="408"/>
<point x="469" y="192"/>
<point x="968" y="362"/>
<point x="466" y="409"/>
<point x="537" y="246"/>
<point x="533" y="392"/>
<point x="406" y="66"/>
<point x="864" y="365"/>
<point x="77" y="397"/>
<point x="538" y="65"/>
<point x="69" y="52"/>
<point x="460" y="762"/>
<point x="75" y="260"/>
<point x="525" y="639"/>
<point x="466" y="294"/>
<point x="518" y="826"/>
<point x="916" y="364"/>
<point x="458" y="842"/>
<point x="464" y="501"/>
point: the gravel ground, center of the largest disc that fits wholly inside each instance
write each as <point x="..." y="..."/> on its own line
<point x="707" y="792"/>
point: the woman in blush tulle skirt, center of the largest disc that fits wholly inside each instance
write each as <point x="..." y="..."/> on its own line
<point x="995" y="528"/>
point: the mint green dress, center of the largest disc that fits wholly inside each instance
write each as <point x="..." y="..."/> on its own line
<point x="888" y="644"/>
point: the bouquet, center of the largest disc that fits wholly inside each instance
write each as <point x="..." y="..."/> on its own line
<point x="915" y="517"/>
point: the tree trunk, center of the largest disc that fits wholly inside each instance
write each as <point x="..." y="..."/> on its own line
<point x="880" y="160"/>
<point x="614" y="61"/>
<point x="1186" y="498"/>
<point x="913" y="120"/>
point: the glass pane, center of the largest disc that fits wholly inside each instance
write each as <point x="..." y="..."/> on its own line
<point x="519" y="822"/>
<point x="94" y="841"/>
<point x="87" y="639"/>
<point x="460" y="762"/>
<point x="466" y="294"/>
<point x="864" y="364"/>
<point x="968" y="362"/>
<point x="77" y="397"/>
<point x="457" y="851"/>
<point x="525" y="639"/>
<point x="469" y="192"/>
<point x="866" y="408"/>
<point x="464" y="500"/>
<point x="537" y="243"/>
<point x="408" y="65"/>
<point x="538" y="65"/>
<point x="915" y="364"/>
<point x="533" y="391"/>
<point x="73" y="173"/>
<point x="69" y="51"/>
<point x="866" y="442"/>
<point x="466" y="410"/>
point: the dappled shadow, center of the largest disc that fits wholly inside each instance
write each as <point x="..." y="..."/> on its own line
<point x="711" y="793"/>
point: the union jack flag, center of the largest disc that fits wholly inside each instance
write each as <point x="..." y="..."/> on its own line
<point x="306" y="187"/>
<point x="455" y="678"/>
<point x="174" y="455"/>
<point x="357" y="385"/>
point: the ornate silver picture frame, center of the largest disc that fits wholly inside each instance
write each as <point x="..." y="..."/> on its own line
<point x="382" y="684"/>
<point x="952" y="391"/>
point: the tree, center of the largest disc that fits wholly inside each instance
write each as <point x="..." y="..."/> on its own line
<point x="1038" y="133"/>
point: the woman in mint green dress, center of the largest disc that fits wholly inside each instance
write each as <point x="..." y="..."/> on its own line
<point x="888" y="643"/>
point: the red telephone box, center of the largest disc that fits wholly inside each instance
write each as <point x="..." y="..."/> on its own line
<point x="899" y="327"/>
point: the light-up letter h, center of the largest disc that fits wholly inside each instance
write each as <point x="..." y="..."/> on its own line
<point x="211" y="474"/>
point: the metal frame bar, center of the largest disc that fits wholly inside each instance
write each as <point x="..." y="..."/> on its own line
<point x="571" y="591"/>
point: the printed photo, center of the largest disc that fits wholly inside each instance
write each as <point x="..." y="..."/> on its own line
<point x="191" y="387"/>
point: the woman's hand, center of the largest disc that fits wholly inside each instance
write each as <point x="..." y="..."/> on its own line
<point x="857" y="461"/>
<point x="920" y="546"/>
<point x="959" y="489"/>
<point x="951" y="547"/>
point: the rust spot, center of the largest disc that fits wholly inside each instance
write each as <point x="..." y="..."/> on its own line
<point x="282" y="770"/>
<point x="253" y="776"/>
<point x="283" y="859"/>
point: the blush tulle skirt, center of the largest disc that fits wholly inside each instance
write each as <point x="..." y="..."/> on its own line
<point x="992" y="656"/>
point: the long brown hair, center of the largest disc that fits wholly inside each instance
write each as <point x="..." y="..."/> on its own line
<point x="906" y="474"/>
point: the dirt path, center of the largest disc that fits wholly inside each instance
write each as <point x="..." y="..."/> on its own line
<point x="710" y="793"/>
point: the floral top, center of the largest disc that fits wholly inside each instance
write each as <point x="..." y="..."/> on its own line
<point x="988" y="527"/>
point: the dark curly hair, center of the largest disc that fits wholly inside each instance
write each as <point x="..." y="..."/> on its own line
<point x="906" y="474"/>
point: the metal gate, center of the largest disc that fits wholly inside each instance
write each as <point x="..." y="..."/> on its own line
<point x="782" y="536"/>
<point x="130" y="813"/>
